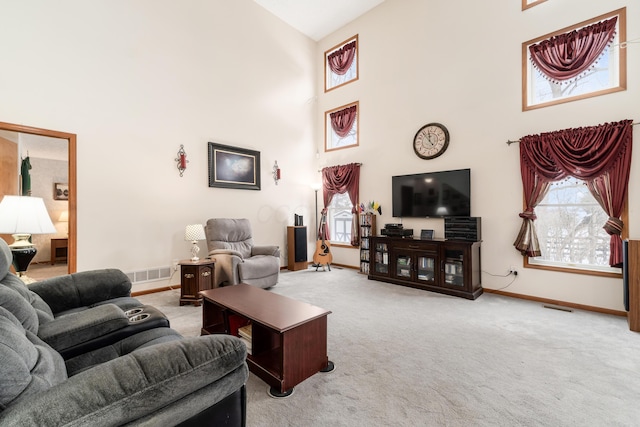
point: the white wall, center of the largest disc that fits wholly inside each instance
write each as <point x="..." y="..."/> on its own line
<point x="459" y="63"/>
<point x="134" y="80"/>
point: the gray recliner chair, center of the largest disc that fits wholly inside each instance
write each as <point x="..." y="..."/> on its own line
<point x="238" y="260"/>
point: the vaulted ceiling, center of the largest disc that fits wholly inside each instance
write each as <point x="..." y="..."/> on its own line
<point x="318" y="18"/>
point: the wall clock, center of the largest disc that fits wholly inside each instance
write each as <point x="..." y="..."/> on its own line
<point x="431" y="141"/>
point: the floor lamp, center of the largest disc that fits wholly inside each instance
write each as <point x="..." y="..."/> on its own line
<point x="316" y="187"/>
<point x="22" y="216"/>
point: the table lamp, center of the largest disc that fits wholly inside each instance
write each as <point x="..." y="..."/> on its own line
<point x="22" y="216"/>
<point x="193" y="233"/>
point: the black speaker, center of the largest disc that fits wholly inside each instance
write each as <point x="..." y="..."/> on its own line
<point x="300" y="240"/>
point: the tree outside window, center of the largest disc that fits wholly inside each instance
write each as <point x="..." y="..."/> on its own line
<point x="339" y="218"/>
<point x="569" y="227"/>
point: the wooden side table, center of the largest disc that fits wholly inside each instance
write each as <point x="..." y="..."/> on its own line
<point x="59" y="245"/>
<point x="195" y="276"/>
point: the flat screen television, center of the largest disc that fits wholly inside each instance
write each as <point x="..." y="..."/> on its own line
<point x="432" y="195"/>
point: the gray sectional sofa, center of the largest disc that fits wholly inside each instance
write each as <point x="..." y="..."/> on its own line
<point x="75" y="351"/>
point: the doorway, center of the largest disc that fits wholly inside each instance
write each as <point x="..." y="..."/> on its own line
<point x="72" y="194"/>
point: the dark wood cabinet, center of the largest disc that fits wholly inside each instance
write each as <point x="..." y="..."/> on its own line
<point x="195" y="276"/>
<point x="450" y="267"/>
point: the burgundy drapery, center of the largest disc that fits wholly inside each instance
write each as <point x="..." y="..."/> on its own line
<point x="599" y="155"/>
<point x="341" y="59"/>
<point x="342" y="120"/>
<point x="339" y="180"/>
<point x="565" y="56"/>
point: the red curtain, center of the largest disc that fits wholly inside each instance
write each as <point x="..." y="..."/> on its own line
<point x="341" y="59"/>
<point x="342" y="120"/>
<point x="339" y="180"/>
<point x="599" y="155"/>
<point x="568" y="55"/>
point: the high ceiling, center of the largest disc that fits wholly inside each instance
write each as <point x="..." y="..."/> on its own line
<point x="318" y="18"/>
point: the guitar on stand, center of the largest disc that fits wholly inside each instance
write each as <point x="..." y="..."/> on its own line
<point x="322" y="256"/>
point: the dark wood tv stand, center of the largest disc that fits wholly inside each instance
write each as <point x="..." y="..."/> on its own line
<point x="450" y="267"/>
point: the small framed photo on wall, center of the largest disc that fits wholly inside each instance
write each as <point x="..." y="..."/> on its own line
<point x="60" y="191"/>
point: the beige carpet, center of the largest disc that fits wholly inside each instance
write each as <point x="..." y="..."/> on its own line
<point x="406" y="357"/>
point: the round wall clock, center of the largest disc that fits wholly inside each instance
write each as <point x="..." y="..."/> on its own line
<point x="431" y="141"/>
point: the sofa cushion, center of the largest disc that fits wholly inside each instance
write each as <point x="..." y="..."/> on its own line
<point x="29" y="366"/>
<point x="85" y="289"/>
<point x="20" y="308"/>
<point x="125" y="346"/>
<point x="42" y="308"/>
<point x="6" y="258"/>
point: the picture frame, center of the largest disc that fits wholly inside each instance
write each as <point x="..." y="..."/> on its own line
<point x="60" y="191"/>
<point x="426" y="234"/>
<point x="351" y="138"/>
<point x="609" y="76"/>
<point x="343" y="56"/>
<point x="233" y="167"/>
<point x="526" y="4"/>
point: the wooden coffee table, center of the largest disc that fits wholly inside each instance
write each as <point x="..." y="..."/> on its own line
<point x="289" y="337"/>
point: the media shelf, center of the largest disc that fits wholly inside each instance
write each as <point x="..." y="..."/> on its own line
<point x="450" y="267"/>
<point x="367" y="223"/>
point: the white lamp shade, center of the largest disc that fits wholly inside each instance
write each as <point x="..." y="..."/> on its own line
<point x="24" y="214"/>
<point x="194" y="232"/>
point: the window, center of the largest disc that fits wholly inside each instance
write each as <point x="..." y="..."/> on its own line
<point x="339" y="218"/>
<point x="341" y="127"/>
<point x="569" y="227"/>
<point x="526" y="4"/>
<point x="341" y="64"/>
<point x="605" y="75"/>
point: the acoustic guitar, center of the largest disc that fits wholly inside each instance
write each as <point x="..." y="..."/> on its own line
<point x="322" y="256"/>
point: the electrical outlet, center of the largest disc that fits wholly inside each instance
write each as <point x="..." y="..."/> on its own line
<point x="513" y="270"/>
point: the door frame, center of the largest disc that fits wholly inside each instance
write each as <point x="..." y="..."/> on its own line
<point x="72" y="260"/>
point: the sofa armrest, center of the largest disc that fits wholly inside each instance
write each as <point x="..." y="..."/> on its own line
<point x="82" y="289"/>
<point x="76" y="328"/>
<point x="266" y="250"/>
<point x="131" y="387"/>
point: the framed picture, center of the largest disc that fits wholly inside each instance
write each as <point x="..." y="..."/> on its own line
<point x="341" y="127"/>
<point x="341" y="64"/>
<point x="426" y="234"/>
<point x="597" y="64"/>
<point x="60" y="191"/>
<point x="233" y="167"/>
<point x="526" y="4"/>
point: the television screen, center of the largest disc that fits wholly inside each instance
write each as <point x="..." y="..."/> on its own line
<point x="434" y="194"/>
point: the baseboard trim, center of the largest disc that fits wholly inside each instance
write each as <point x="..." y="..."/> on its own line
<point x="152" y="291"/>
<point x="558" y="302"/>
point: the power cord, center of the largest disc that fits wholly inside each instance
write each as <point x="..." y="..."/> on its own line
<point x="513" y="273"/>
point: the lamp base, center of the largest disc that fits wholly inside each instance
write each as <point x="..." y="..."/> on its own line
<point x="22" y="257"/>
<point x="194" y="250"/>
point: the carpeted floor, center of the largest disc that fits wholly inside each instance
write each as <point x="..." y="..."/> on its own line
<point x="406" y="357"/>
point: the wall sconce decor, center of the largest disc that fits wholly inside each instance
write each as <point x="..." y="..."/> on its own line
<point x="181" y="160"/>
<point x="276" y="172"/>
